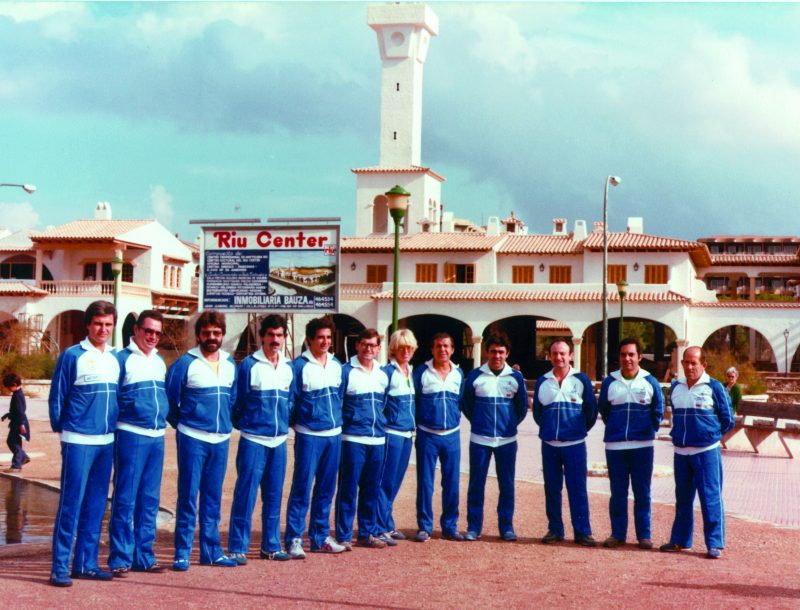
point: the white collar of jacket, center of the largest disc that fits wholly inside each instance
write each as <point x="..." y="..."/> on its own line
<point x="356" y="364"/>
<point x="262" y="357"/>
<point x="429" y="364"/>
<point x="507" y="370"/>
<point x="396" y="366"/>
<point x="641" y="374"/>
<point x="571" y="372"/>
<point x="134" y="347"/>
<point x="89" y="347"/>
<point x="195" y="351"/>
<point x="312" y="359"/>
<point x="704" y="379"/>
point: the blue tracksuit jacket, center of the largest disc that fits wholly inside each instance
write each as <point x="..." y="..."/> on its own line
<point x="700" y="414"/>
<point x="438" y="401"/>
<point x="265" y="396"/>
<point x="399" y="399"/>
<point x="566" y="412"/>
<point x="318" y="393"/>
<point x="199" y="398"/>
<point x="142" y="395"/>
<point x="631" y="409"/>
<point x="495" y="404"/>
<point x="83" y="394"/>
<point x="364" y="399"/>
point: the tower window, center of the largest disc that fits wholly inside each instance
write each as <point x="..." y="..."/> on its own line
<point x="398" y="86"/>
<point x="394" y="135"/>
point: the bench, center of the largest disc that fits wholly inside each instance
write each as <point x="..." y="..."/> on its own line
<point x="762" y="428"/>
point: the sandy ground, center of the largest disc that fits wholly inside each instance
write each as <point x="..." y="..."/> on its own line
<point x="759" y="569"/>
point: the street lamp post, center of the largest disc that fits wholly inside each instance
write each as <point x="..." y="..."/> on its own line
<point x="398" y="203"/>
<point x="116" y="270"/>
<point x="786" y="352"/>
<point x="28" y="188"/>
<point x="613" y="181"/>
<point x="622" y="289"/>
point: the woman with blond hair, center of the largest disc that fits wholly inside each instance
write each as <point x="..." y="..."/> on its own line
<point x="400" y="423"/>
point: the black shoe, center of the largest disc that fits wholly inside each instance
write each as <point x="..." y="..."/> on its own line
<point x="121" y="572"/>
<point x="509" y="536"/>
<point x="26" y="460"/>
<point x="714" y="553"/>
<point x="97" y="574"/>
<point x="612" y="543"/>
<point x="397" y="535"/>
<point x="585" y="541"/>
<point x="672" y="548"/>
<point x="155" y="568"/>
<point x="60" y="581"/>
<point x="454" y="536"/>
<point x="550" y="538"/>
<point x="274" y="555"/>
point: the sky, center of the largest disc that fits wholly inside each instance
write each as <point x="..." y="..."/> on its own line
<point x="188" y="110"/>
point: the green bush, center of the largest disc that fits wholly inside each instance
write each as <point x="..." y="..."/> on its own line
<point x="38" y="365"/>
<point x="721" y="361"/>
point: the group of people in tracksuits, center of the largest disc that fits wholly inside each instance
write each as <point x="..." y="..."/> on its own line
<point x="354" y="427"/>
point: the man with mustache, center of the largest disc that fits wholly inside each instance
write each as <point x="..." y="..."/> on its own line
<point x="201" y="387"/>
<point x="264" y="403"/>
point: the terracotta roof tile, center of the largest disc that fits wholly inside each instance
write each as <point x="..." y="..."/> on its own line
<point x="19" y="241"/>
<point x="89" y="230"/>
<point x="540" y="244"/>
<point x="528" y="296"/>
<point x="750" y="304"/>
<point x="764" y="239"/>
<point x="424" y="242"/>
<point x="20" y="289"/>
<point x="412" y="169"/>
<point x="639" y="241"/>
<point x="755" y="259"/>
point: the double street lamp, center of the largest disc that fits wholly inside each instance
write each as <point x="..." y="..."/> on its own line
<point x="398" y="204"/>
<point x="613" y="181"/>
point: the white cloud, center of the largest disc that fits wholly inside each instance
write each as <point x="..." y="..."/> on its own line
<point x="161" y="202"/>
<point x="19" y="216"/>
<point x="59" y="20"/>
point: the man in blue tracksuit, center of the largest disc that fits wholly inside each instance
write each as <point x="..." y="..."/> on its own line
<point x="363" y="442"/>
<point x="138" y="450"/>
<point x="495" y="402"/>
<point x="201" y="387"/>
<point x="439" y="385"/>
<point x="317" y="422"/>
<point x="701" y="415"/>
<point x="400" y="425"/>
<point x="264" y="403"/>
<point x="631" y="405"/>
<point x="83" y="411"/>
<point x="565" y="409"/>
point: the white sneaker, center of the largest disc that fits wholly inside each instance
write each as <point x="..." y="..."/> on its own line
<point x="330" y="546"/>
<point x="296" y="550"/>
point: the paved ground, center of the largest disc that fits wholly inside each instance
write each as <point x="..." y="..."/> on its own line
<point x="759" y="568"/>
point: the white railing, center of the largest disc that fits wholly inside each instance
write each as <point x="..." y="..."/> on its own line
<point x="78" y="288"/>
<point x="356" y="292"/>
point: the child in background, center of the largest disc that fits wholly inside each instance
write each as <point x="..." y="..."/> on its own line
<point x="18" y="422"/>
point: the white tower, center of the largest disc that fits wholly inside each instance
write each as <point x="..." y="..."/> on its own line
<point x="404" y="32"/>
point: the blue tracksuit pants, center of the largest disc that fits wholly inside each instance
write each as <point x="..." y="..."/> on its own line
<point x="316" y="460"/>
<point x="395" y="463"/>
<point x="85" y="475"/>
<point x="632" y="467"/>
<point x="701" y="473"/>
<point x="446" y="449"/>
<point x="505" y="460"/>
<point x="138" y="462"/>
<point x="201" y="468"/>
<point x="257" y="467"/>
<point x="359" y="481"/>
<point x="566" y="463"/>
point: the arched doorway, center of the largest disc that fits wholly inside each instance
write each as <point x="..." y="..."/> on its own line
<point x="529" y="337"/>
<point x="425" y="326"/>
<point x="66" y="329"/>
<point x="345" y="336"/>
<point x="658" y="343"/>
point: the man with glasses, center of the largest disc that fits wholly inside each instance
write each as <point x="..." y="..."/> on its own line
<point x="364" y="385"/>
<point x="138" y="450"/>
<point x="317" y="423"/>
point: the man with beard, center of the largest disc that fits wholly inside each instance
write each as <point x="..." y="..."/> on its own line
<point x="201" y="387"/>
<point x="139" y="450"/>
<point x="264" y="404"/>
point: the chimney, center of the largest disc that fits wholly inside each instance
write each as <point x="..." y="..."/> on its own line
<point x="559" y="226"/>
<point x="580" y="230"/>
<point x="102" y="211"/>
<point x="493" y="226"/>
<point x="597" y="226"/>
<point x="448" y="222"/>
<point x="636" y="225"/>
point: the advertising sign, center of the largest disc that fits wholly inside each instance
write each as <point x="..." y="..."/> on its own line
<point x="275" y="268"/>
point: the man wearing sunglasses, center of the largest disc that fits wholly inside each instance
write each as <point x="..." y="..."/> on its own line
<point x="139" y="450"/>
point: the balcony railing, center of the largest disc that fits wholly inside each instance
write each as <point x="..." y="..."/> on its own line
<point x="78" y="288"/>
